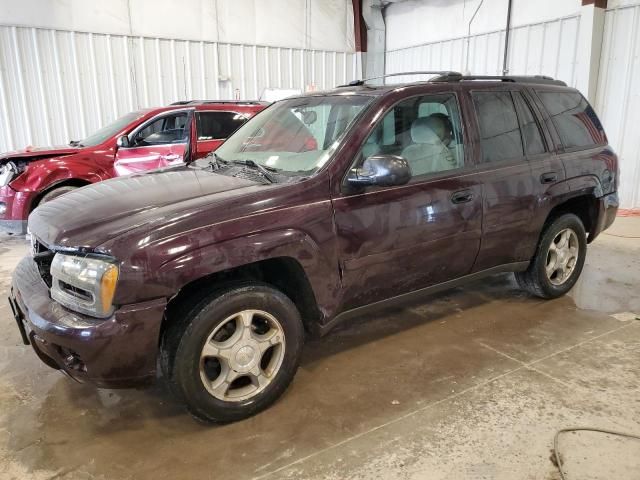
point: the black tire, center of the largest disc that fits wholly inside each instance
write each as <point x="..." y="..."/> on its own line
<point x="184" y="340"/>
<point x="535" y="279"/>
<point x="56" y="192"/>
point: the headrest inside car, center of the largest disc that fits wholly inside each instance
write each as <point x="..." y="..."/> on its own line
<point x="421" y="132"/>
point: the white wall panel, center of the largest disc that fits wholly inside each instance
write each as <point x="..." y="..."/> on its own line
<point x="306" y="24"/>
<point x="414" y="22"/>
<point x="618" y="95"/>
<point x="59" y="85"/>
<point x="547" y="48"/>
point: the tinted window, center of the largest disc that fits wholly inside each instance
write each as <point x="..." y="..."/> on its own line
<point x="164" y="130"/>
<point x="574" y="119"/>
<point x="218" y="125"/>
<point x="424" y="130"/>
<point x="499" y="130"/>
<point x="533" y="143"/>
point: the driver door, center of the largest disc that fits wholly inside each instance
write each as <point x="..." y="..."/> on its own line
<point x="394" y="240"/>
<point x="160" y="142"/>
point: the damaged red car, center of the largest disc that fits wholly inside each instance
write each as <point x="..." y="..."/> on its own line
<point x="138" y="141"/>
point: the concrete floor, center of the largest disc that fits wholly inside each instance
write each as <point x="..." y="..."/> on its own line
<point x="472" y="385"/>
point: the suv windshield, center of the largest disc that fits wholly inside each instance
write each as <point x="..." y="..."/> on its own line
<point x="295" y="136"/>
<point x="110" y="130"/>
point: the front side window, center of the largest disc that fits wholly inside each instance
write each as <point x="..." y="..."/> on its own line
<point x="295" y="136"/>
<point x="425" y="130"/>
<point x="499" y="129"/>
<point x="577" y="124"/>
<point x="218" y="125"/>
<point x="164" y="130"/>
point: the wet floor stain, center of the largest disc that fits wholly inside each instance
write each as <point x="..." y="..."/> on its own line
<point x="469" y="384"/>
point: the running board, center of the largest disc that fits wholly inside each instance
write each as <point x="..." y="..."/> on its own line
<point x="416" y="295"/>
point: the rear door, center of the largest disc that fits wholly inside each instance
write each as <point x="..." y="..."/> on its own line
<point x="547" y="169"/>
<point x="213" y="127"/>
<point x="159" y="142"/>
<point x="509" y="189"/>
<point x="581" y="141"/>
<point x="394" y="240"/>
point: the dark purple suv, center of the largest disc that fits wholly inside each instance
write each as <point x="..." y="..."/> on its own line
<point x="320" y="208"/>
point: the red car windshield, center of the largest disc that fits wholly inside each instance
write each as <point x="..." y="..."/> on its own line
<point x="297" y="135"/>
<point x="109" y="131"/>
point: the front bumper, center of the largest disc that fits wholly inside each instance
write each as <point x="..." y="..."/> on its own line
<point x="16" y="206"/>
<point x="17" y="227"/>
<point x="120" y="351"/>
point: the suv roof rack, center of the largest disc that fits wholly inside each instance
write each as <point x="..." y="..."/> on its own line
<point x="540" y="79"/>
<point x="440" y="73"/>
<point x="451" y="76"/>
<point x="233" y="102"/>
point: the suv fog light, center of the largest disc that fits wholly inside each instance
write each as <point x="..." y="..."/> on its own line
<point x="3" y="208"/>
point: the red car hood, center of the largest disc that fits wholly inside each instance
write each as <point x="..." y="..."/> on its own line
<point x="39" y="152"/>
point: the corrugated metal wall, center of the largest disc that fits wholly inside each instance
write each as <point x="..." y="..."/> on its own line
<point x="547" y="48"/>
<point x="59" y="85"/>
<point x="550" y="48"/>
<point x="618" y="95"/>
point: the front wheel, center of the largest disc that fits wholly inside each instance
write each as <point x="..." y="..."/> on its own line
<point x="559" y="259"/>
<point x="56" y="192"/>
<point x="235" y="353"/>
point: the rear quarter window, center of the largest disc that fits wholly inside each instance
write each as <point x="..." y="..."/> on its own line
<point x="576" y="122"/>
<point x="216" y="125"/>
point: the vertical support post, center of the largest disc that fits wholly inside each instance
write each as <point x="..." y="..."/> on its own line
<point x="360" y="33"/>
<point x="374" y="64"/>
<point x="590" y="39"/>
<point x="507" y="34"/>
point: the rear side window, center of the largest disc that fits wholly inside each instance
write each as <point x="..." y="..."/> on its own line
<point x="533" y="143"/>
<point x="574" y="119"/>
<point x="217" y="125"/>
<point x="499" y="129"/>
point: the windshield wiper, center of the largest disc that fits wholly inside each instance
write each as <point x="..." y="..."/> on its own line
<point x="217" y="160"/>
<point x="261" y="168"/>
<point x="75" y="143"/>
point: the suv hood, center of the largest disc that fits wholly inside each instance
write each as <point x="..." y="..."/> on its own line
<point x="92" y="215"/>
<point x="36" y="153"/>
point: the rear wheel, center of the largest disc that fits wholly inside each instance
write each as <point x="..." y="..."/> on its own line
<point x="559" y="259"/>
<point x="235" y="353"/>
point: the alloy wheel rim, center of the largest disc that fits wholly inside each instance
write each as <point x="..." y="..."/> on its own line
<point x="562" y="256"/>
<point x="242" y="355"/>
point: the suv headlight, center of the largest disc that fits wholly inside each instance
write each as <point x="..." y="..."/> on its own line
<point x="84" y="284"/>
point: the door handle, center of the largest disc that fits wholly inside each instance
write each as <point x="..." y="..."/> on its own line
<point x="462" y="196"/>
<point x="548" y="177"/>
<point x="171" y="157"/>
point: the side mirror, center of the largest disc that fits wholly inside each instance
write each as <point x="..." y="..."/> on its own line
<point x="381" y="170"/>
<point x="123" y="142"/>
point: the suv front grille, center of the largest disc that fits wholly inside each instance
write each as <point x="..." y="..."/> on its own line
<point x="43" y="258"/>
